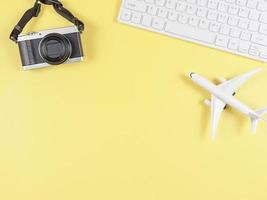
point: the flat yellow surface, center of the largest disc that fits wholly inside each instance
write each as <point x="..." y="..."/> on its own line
<point x="127" y="123"/>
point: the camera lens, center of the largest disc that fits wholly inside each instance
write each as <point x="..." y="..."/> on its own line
<point x="55" y="49"/>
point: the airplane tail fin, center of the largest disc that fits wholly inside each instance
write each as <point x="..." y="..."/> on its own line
<point x="255" y="119"/>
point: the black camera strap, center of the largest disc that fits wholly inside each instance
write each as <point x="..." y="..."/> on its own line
<point x="34" y="12"/>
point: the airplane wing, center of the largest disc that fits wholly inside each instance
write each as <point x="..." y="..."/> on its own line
<point x="232" y="85"/>
<point x="217" y="107"/>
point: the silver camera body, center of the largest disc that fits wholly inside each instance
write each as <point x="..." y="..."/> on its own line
<point x="50" y="47"/>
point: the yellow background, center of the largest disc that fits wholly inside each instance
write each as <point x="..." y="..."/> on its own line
<point x="127" y="123"/>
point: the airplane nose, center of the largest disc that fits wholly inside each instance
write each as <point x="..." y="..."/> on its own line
<point x="191" y="74"/>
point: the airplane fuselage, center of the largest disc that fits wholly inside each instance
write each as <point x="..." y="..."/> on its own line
<point x="228" y="99"/>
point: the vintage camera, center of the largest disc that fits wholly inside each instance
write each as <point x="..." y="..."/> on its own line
<point x="50" y="47"/>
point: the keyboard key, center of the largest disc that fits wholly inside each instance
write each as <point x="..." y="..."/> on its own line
<point x="152" y="10"/>
<point x="202" y="2"/>
<point x="230" y="1"/>
<point x="149" y="1"/>
<point x="252" y="4"/>
<point x="181" y="6"/>
<point x="160" y="2"/>
<point x="223" y="7"/>
<point x="212" y="15"/>
<point x="193" y="21"/>
<point x="233" y="44"/>
<point x="235" y="32"/>
<point x="162" y="12"/>
<point x="243" y="23"/>
<point x="135" y="5"/>
<point x="222" y="18"/>
<point x="258" y="48"/>
<point x="253" y="52"/>
<point x="173" y="15"/>
<point x="136" y="18"/>
<point x="254" y="26"/>
<point x="254" y="15"/>
<point x="233" y="21"/>
<point x="202" y="12"/>
<point x="243" y="47"/>
<point x="158" y="23"/>
<point x="259" y="39"/>
<point x="170" y="4"/>
<point x="183" y="18"/>
<point x="245" y="35"/>
<point x="261" y="49"/>
<point x="191" y="1"/>
<point x="190" y="32"/>
<point x="126" y="15"/>
<point x="204" y="24"/>
<point x="262" y="6"/>
<point x="244" y="12"/>
<point x="222" y="41"/>
<point x="263" y="55"/>
<point x="263" y="18"/>
<point x="263" y="29"/>
<point x="225" y="29"/>
<point x="233" y="10"/>
<point x="241" y="2"/>
<point x="212" y="4"/>
<point x="191" y="9"/>
<point x="214" y="26"/>
<point x="147" y="20"/>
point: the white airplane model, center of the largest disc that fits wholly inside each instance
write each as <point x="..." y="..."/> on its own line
<point x="223" y="94"/>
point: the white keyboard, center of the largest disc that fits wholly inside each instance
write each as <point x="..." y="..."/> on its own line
<point x="236" y="26"/>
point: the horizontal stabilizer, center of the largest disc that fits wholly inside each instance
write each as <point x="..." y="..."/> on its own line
<point x="261" y="112"/>
<point x="255" y="119"/>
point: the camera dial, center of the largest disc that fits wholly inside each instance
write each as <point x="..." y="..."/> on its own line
<point x="55" y="49"/>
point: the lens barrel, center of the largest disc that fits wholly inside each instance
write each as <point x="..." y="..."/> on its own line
<point x="55" y="49"/>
